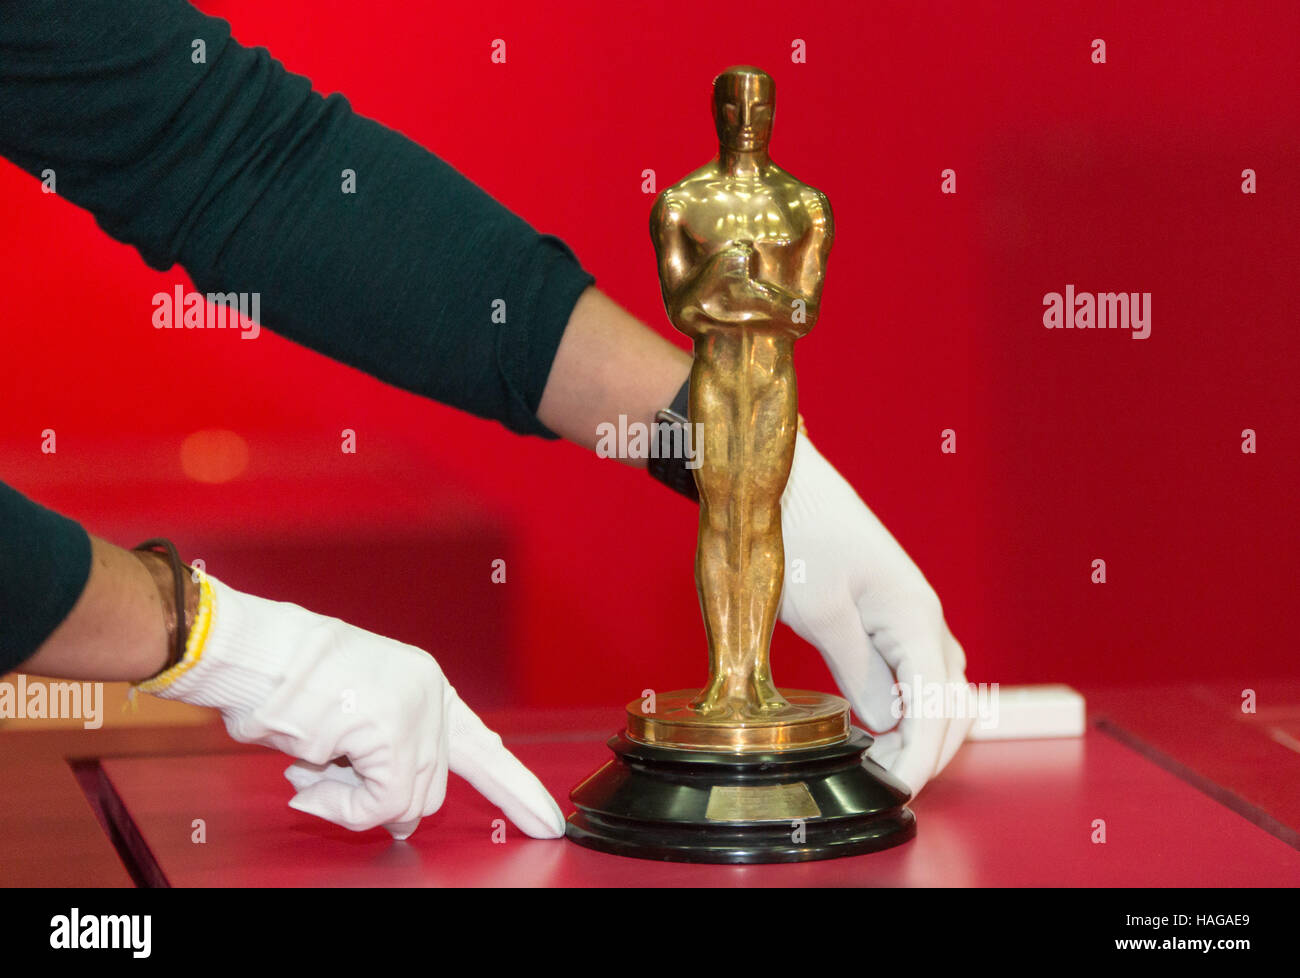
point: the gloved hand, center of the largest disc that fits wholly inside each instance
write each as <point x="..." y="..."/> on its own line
<point x="318" y="688"/>
<point x="872" y="615"/>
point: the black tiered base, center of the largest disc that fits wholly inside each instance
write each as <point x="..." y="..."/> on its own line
<point x="711" y="807"/>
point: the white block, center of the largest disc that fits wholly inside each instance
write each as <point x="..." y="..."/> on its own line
<point x="1031" y="713"/>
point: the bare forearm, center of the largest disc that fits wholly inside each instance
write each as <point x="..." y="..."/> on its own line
<point x="118" y="628"/>
<point x="609" y="363"/>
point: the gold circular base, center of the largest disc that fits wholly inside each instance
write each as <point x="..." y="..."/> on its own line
<point x="810" y="720"/>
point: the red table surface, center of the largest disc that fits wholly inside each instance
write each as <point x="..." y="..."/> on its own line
<point x="1003" y="814"/>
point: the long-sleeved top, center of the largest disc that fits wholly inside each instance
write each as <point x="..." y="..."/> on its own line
<point x="232" y="167"/>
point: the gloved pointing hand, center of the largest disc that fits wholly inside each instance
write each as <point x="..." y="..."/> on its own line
<point x="318" y="688"/>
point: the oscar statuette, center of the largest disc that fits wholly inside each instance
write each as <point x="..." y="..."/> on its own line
<point x="741" y="771"/>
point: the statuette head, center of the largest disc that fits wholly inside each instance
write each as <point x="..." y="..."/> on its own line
<point x="744" y="101"/>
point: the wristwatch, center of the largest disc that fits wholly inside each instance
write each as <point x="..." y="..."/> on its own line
<point x="669" y="466"/>
<point x="667" y="461"/>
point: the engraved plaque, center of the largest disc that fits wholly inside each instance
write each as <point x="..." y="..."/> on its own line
<point x="761" y="803"/>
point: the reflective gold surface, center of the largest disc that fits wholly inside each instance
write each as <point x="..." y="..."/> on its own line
<point x="807" y="720"/>
<point x="742" y="248"/>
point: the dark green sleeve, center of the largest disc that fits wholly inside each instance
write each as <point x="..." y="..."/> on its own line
<point x="44" y="563"/>
<point x="234" y="168"/>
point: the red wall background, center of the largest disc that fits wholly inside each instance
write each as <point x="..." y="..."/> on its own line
<point x="1072" y="445"/>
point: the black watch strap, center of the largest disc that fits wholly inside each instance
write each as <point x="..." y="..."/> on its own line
<point x="667" y="462"/>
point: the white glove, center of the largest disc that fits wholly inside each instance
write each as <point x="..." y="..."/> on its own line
<point x="873" y="616"/>
<point x="318" y="688"/>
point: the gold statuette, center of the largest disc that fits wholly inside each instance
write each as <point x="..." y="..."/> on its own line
<point x="741" y="771"/>
<point x="742" y="248"/>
